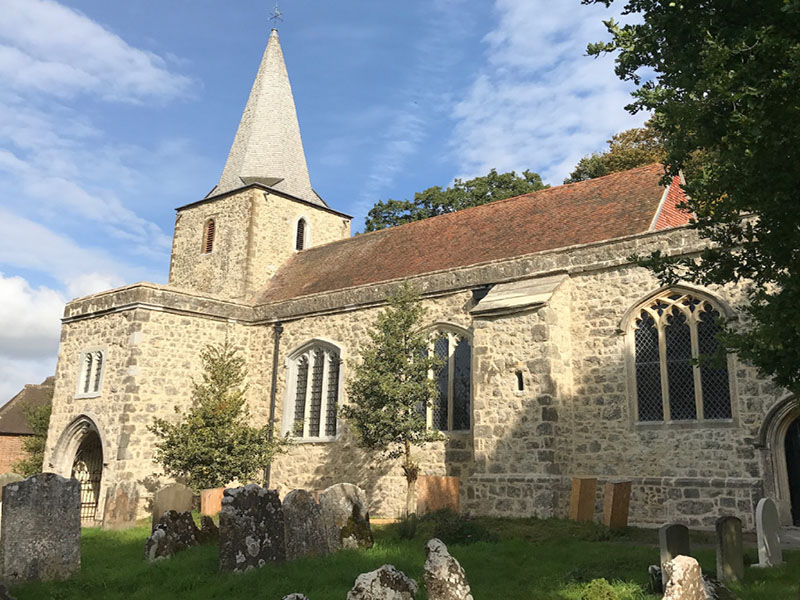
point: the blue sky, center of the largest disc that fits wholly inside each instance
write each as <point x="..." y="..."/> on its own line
<point x="114" y="113"/>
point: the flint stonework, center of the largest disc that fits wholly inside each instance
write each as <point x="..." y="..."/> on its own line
<point x="174" y="496"/>
<point x="684" y="579"/>
<point x="40" y="533"/>
<point x="173" y="533"/>
<point x="445" y="579"/>
<point x="673" y="540"/>
<point x="305" y="530"/>
<point x="730" y="556"/>
<point x="386" y="583"/>
<point x="346" y="517"/>
<point x="251" y="529"/>
<point x="767" y="533"/>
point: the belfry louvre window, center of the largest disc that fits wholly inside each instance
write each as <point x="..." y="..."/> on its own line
<point x="315" y="382"/>
<point x="670" y="332"/>
<point x="208" y="236"/>
<point x="451" y="408"/>
<point x="90" y="375"/>
<point x="300" y="240"/>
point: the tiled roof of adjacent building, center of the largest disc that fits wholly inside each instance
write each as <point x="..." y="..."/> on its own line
<point x="12" y="414"/>
<point x="599" y="209"/>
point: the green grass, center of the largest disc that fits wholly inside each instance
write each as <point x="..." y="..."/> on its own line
<point x="532" y="559"/>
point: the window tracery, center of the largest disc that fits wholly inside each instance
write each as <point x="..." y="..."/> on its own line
<point x="450" y="410"/>
<point x="314" y="375"/>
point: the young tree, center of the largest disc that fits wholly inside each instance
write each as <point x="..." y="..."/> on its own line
<point x="38" y="418"/>
<point x="392" y="387"/>
<point x="462" y="194"/>
<point x="723" y="80"/>
<point x="213" y="443"/>
<point x="626" y="150"/>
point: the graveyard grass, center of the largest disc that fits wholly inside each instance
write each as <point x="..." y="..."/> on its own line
<point x="531" y="559"/>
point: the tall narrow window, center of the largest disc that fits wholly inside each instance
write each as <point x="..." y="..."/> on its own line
<point x="670" y="333"/>
<point x="90" y="374"/>
<point x="208" y="236"/>
<point x="300" y="240"/>
<point x="315" y="373"/>
<point x="450" y="411"/>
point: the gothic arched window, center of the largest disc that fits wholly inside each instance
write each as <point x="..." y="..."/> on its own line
<point x="208" y="236"/>
<point x="300" y="239"/>
<point x="451" y="409"/>
<point x="313" y="391"/>
<point x="90" y="375"/>
<point x="674" y="336"/>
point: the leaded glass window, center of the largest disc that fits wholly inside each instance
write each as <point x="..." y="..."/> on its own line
<point x="315" y="372"/>
<point x="450" y="410"/>
<point x="670" y="334"/>
<point x="90" y="374"/>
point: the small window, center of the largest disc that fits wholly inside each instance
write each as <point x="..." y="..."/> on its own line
<point x="208" y="236"/>
<point x="451" y="408"/>
<point x="300" y="241"/>
<point x="90" y="376"/>
<point x="314" y="372"/>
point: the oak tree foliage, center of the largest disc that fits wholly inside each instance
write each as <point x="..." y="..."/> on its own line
<point x="462" y="194"/>
<point x="722" y="79"/>
<point x="213" y="443"/>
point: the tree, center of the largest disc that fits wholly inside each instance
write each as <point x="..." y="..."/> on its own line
<point x="723" y="80"/>
<point x="462" y="194"/>
<point x="626" y="150"/>
<point x="213" y="443"/>
<point x="38" y="418"/>
<point x="392" y="387"/>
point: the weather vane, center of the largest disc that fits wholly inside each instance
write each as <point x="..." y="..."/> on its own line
<point x="276" y="16"/>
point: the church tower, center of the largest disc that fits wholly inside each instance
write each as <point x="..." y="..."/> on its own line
<point x="263" y="209"/>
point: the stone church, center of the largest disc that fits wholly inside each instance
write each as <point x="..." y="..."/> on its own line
<point x="562" y="357"/>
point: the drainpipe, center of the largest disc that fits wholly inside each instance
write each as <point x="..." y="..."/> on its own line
<point x="273" y="392"/>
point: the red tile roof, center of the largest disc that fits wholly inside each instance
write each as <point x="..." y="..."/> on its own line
<point x="670" y="215"/>
<point x="599" y="209"/>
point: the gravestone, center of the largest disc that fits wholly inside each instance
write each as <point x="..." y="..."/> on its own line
<point x="346" y="517"/>
<point x="173" y="533"/>
<point x="684" y="579"/>
<point x="673" y="540"/>
<point x="767" y="528"/>
<point x="5" y="594"/>
<point x="305" y="530"/>
<point x="386" y="583"/>
<point x="616" y="503"/>
<point x="295" y="597"/>
<point x="40" y="533"/>
<point x="582" y="498"/>
<point x="174" y="496"/>
<point x="437" y="492"/>
<point x="251" y="529"/>
<point x="5" y="479"/>
<point x="211" y="501"/>
<point x="445" y="579"/>
<point x="122" y="501"/>
<point x="730" y="556"/>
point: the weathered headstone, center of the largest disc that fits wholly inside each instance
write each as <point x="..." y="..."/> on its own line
<point x="5" y="479"/>
<point x="730" y="555"/>
<point x="346" y="517"/>
<point x="5" y="594"/>
<point x="581" y="499"/>
<point x="122" y="501"/>
<point x="305" y="530"/>
<point x="767" y="528"/>
<point x="386" y="583"/>
<point x="445" y="579"/>
<point x="211" y="501"/>
<point x="174" y="496"/>
<point x="295" y="597"/>
<point x="173" y="533"/>
<point x="437" y="492"/>
<point x="684" y="579"/>
<point x="40" y="533"/>
<point x="209" y="532"/>
<point x="251" y="529"/>
<point x="673" y="540"/>
<point x="616" y="502"/>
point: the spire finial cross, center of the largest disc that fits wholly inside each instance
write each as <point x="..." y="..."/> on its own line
<point x="276" y="16"/>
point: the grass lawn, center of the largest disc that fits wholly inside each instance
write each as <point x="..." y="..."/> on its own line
<point x="531" y="559"/>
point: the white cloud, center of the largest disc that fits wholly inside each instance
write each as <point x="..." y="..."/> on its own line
<point x="46" y="47"/>
<point x="540" y="103"/>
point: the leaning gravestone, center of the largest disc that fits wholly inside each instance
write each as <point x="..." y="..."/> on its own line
<point x="445" y="579"/>
<point x="174" y="496"/>
<point x="174" y="532"/>
<point x="346" y="517"/>
<point x="305" y="530"/>
<point x="386" y="583"/>
<point x="684" y="579"/>
<point x="730" y="556"/>
<point x="673" y="540"/>
<point x="767" y="528"/>
<point x="5" y="479"/>
<point x="40" y="534"/>
<point x="251" y="529"/>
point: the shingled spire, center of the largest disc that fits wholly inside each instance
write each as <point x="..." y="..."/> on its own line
<point x="268" y="148"/>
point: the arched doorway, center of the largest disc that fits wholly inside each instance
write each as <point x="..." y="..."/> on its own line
<point x="87" y="467"/>
<point x="792" y="450"/>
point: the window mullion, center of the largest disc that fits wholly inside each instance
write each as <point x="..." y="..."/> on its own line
<point x="698" y="386"/>
<point x="323" y="400"/>
<point x="307" y="403"/>
<point x="429" y="405"/>
<point x="662" y="364"/>
<point x="451" y="364"/>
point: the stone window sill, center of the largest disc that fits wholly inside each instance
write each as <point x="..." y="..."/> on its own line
<point x="88" y="395"/>
<point x="672" y="425"/>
